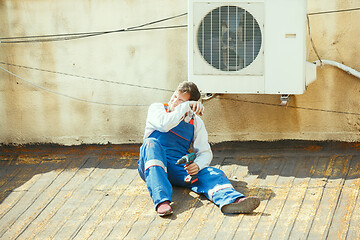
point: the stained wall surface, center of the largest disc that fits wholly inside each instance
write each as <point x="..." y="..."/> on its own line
<point x="110" y="68"/>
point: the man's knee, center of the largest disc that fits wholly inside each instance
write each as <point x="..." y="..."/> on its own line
<point x="151" y="143"/>
<point x="152" y="149"/>
<point x="213" y="171"/>
<point x="212" y="175"/>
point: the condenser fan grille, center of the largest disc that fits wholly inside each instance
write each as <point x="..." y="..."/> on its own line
<point x="229" y="38"/>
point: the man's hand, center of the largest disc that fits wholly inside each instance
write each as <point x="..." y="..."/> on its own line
<point x="192" y="169"/>
<point x="197" y="107"/>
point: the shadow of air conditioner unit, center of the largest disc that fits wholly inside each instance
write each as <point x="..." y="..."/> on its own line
<point x="248" y="46"/>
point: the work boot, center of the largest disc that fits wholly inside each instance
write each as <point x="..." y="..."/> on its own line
<point x="242" y="205"/>
<point x="164" y="209"/>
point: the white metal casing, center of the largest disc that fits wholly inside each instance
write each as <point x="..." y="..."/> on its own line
<point x="279" y="67"/>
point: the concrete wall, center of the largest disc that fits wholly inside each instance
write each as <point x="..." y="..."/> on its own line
<point x="155" y="58"/>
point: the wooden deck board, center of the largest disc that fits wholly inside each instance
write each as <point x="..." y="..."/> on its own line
<point x="113" y="179"/>
<point x="266" y="176"/>
<point x="353" y="231"/>
<point x="310" y="202"/>
<point x="272" y="208"/>
<point x="53" y="198"/>
<point x="291" y="207"/>
<point x="224" y="232"/>
<point x="307" y="191"/>
<point x="206" y="217"/>
<point x="218" y="228"/>
<point x="353" y="184"/>
<point x="125" y="196"/>
<point x="24" y="208"/>
<point x="335" y="173"/>
<point x="188" y="208"/>
<point x="77" y="189"/>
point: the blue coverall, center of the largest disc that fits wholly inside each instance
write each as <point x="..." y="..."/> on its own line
<point x="157" y="167"/>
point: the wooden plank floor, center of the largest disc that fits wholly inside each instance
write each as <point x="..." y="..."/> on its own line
<point x="308" y="190"/>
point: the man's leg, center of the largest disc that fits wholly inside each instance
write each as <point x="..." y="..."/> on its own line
<point x="216" y="187"/>
<point x="153" y="170"/>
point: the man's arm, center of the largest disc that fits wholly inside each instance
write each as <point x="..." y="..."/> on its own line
<point x="201" y="145"/>
<point x="162" y="121"/>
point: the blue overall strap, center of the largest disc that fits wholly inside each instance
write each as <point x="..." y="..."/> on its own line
<point x="176" y="141"/>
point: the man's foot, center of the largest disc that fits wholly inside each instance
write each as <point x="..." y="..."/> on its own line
<point x="164" y="209"/>
<point x="242" y="205"/>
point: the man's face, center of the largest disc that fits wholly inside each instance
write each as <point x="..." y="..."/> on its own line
<point x="178" y="98"/>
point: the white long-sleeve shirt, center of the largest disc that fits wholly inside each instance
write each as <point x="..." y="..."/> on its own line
<point x="159" y="119"/>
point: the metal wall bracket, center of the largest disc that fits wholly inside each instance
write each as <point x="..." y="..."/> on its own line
<point x="284" y="99"/>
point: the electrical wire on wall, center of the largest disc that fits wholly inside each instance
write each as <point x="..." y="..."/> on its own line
<point x="293" y="107"/>
<point x="71" y="97"/>
<point x="321" y="62"/>
<point x="341" y="66"/>
<point x="89" y="78"/>
<point x="71" y="36"/>
<point x="145" y="105"/>
<point x="334" y="11"/>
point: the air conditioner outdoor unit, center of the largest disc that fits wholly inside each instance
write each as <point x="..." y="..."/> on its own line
<point x="248" y="46"/>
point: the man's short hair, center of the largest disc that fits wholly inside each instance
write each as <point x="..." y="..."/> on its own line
<point x="191" y="88"/>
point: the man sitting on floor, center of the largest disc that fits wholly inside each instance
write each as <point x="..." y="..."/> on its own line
<point x="171" y="130"/>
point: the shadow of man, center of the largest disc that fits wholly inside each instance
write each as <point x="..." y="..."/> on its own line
<point x="186" y="200"/>
<point x="264" y="194"/>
